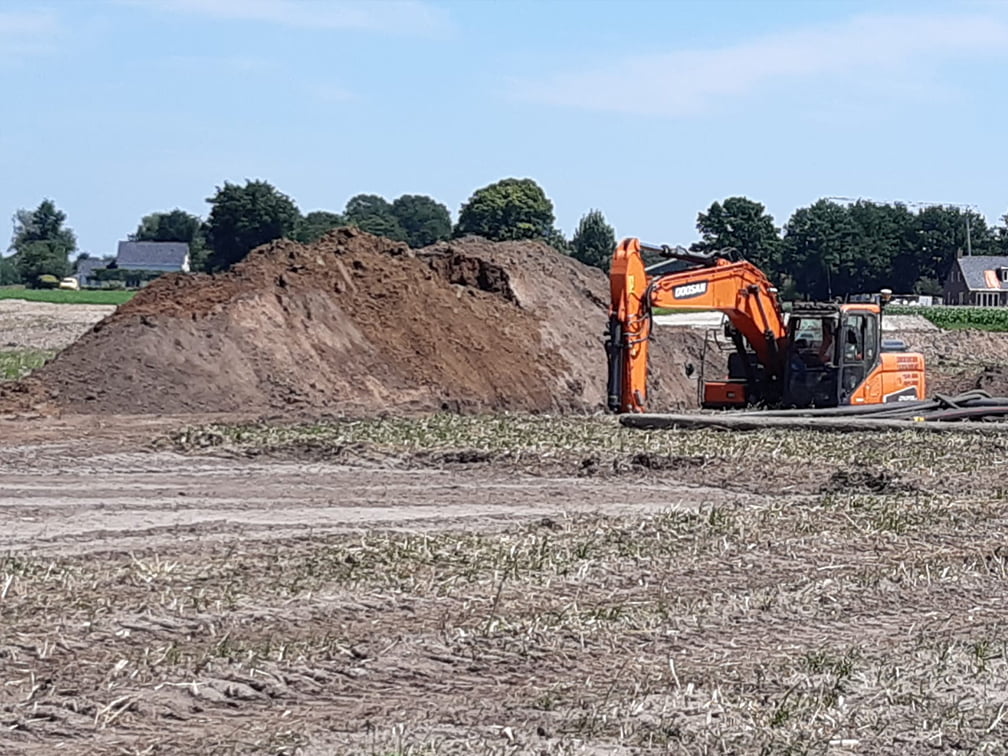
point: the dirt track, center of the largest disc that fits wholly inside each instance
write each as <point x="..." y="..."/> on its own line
<point x="334" y="599"/>
<point x="67" y="497"/>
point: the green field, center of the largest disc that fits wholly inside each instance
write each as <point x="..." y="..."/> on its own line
<point x="66" y="296"/>
<point x="979" y="318"/>
<point x="17" y="363"/>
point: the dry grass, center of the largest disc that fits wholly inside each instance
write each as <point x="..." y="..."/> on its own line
<point x="864" y="618"/>
<point x="797" y="461"/>
<point x="834" y="621"/>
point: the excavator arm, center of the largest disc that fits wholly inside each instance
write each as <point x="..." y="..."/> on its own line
<point x="711" y="282"/>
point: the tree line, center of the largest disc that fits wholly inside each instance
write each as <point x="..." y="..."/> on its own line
<point x="825" y="250"/>
<point x="831" y="249"/>
<point x="244" y="216"/>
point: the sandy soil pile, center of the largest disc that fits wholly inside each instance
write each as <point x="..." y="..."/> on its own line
<point x="356" y="324"/>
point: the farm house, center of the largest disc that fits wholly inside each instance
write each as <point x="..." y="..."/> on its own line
<point x="980" y="281"/>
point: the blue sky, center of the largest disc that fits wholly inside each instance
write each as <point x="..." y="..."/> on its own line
<point x="648" y="111"/>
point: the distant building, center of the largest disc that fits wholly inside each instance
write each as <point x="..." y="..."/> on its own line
<point x="86" y="268"/>
<point x="977" y="280"/>
<point x="166" y="257"/>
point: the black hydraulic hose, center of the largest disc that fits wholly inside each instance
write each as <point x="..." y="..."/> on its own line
<point x="847" y="410"/>
<point x="972" y="413"/>
<point x="917" y="408"/>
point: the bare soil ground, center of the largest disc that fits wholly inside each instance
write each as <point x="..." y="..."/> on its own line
<point x="483" y="583"/>
<point x="40" y="325"/>
<point x="498" y="585"/>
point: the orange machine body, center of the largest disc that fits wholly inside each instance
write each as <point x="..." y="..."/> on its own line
<point x="824" y="355"/>
<point x="891" y="376"/>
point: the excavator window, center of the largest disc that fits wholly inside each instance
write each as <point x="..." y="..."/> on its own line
<point x="852" y="347"/>
<point x="855" y="328"/>
<point x="811" y="378"/>
<point x="813" y="341"/>
<point x="871" y="340"/>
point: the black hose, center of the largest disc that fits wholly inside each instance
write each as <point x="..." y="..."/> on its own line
<point x="975" y="404"/>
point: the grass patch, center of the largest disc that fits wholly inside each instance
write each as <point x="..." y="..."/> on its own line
<point x="65" y="296"/>
<point x="865" y="616"/>
<point x="17" y="363"/>
<point x="674" y="631"/>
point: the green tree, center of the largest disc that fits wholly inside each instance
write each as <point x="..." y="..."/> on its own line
<point x="883" y="239"/>
<point x="174" y="226"/>
<point x="554" y="237"/>
<point x="317" y="224"/>
<point x="938" y="237"/>
<point x="745" y="225"/>
<point x="41" y="258"/>
<point x="594" y="240"/>
<point x="245" y="217"/>
<point x="42" y="242"/>
<point x="9" y="274"/>
<point x="423" y="219"/>
<point x="999" y="236"/>
<point x="833" y="250"/>
<point x="508" y="209"/>
<point x="373" y="214"/>
<point x="817" y="250"/>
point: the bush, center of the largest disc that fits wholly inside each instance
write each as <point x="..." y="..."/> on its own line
<point x="46" y="281"/>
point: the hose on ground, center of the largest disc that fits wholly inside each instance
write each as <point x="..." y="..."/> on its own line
<point x="975" y="404"/>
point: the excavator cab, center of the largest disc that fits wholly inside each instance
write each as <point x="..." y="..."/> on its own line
<point x="812" y="368"/>
<point x="836" y="356"/>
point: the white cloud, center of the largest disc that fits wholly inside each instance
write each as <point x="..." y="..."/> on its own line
<point x="28" y="32"/>
<point x="865" y="50"/>
<point x="389" y="16"/>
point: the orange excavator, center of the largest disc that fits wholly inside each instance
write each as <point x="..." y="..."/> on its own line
<point x="823" y="354"/>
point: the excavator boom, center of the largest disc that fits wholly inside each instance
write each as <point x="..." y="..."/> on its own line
<point x="710" y="282"/>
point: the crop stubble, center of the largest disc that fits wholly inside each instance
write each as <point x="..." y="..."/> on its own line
<point x="512" y="585"/>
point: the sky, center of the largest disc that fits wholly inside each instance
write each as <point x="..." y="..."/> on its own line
<point x="648" y="111"/>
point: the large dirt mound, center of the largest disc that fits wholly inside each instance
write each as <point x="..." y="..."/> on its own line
<point x="353" y="324"/>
